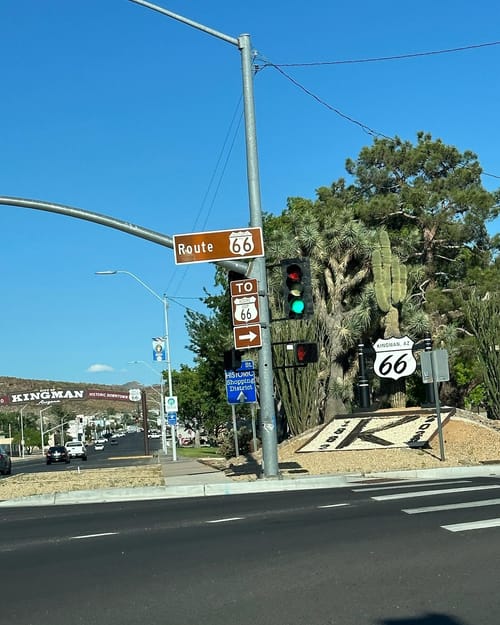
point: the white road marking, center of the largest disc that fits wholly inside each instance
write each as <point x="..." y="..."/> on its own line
<point x="334" y="505"/>
<point x="474" y="525"/>
<point x="405" y="485"/>
<point x="441" y="491"/>
<point x="454" y="506"/>
<point x="234" y="518"/>
<point x="94" y="535"/>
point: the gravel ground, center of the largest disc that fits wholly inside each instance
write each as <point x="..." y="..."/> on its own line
<point x="60" y="481"/>
<point x="466" y="443"/>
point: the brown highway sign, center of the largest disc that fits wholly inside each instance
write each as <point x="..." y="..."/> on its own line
<point x="202" y="247"/>
<point x="246" y="337"/>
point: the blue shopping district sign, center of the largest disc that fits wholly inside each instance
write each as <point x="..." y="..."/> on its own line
<point x="240" y="384"/>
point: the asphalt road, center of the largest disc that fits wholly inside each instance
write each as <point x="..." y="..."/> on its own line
<point x="130" y="449"/>
<point x="378" y="554"/>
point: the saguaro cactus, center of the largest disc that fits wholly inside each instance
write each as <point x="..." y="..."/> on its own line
<point x="390" y="283"/>
<point x="390" y="278"/>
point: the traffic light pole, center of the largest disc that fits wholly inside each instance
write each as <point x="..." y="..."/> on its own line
<point x="258" y="271"/>
<point x="258" y="266"/>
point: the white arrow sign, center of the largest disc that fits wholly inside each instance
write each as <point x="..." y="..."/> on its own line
<point x="247" y="336"/>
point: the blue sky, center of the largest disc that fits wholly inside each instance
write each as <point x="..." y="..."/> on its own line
<point x="113" y="108"/>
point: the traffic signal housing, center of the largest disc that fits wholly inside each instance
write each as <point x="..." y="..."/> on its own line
<point x="232" y="359"/>
<point x="297" y="288"/>
<point x="305" y="353"/>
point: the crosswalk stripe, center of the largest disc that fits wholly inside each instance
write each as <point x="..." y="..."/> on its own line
<point x="473" y="525"/>
<point x="454" y="506"/>
<point x="440" y="491"/>
<point x="405" y="485"/>
<point x="334" y="505"/>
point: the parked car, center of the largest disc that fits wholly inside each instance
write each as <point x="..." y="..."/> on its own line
<point x="57" y="453"/>
<point x="76" y="449"/>
<point x="5" y="462"/>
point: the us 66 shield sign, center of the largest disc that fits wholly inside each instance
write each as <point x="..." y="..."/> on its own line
<point x="394" y="358"/>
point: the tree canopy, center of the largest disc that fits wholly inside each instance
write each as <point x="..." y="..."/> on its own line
<point x="391" y="253"/>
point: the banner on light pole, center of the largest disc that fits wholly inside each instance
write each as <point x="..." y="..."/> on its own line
<point x="159" y="353"/>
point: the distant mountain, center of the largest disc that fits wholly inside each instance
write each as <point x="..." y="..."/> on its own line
<point x="73" y="397"/>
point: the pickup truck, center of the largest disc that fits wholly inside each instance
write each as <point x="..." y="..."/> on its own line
<point x="76" y="449"/>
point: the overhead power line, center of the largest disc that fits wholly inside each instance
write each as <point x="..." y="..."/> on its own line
<point x="394" y="57"/>
<point x="352" y="120"/>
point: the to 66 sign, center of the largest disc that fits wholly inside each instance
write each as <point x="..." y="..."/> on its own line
<point x="394" y="358"/>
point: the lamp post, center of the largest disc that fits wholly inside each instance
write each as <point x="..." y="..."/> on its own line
<point x="258" y="266"/>
<point x="42" y="410"/>
<point x="162" y="409"/>
<point x="164" y="301"/>
<point x="22" y="431"/>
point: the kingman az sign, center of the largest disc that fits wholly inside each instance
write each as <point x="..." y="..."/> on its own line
<point x="53" y="395"/>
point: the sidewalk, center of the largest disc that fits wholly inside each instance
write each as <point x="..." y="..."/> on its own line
<point x="189" y="478"/>
<point x="189" y="471"/>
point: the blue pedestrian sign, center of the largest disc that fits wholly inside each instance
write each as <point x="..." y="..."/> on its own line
<point x="172" y="418"/>
<point x="240" y="384"/>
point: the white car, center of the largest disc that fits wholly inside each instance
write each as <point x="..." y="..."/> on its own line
<point x="76" y="449"/>
<point x="98" y="446"/>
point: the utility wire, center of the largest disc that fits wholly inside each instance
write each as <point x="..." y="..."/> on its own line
<point x="396" y="57"/>
<point x="370" y="131"/>
<point x="232" y="130"/>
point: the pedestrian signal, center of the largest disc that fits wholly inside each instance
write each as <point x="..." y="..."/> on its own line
<point x="305" y="353"/>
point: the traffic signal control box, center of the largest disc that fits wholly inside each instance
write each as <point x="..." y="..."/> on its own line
<point x="297" y="288"/>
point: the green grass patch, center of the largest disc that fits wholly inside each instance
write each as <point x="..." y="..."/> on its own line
<point x="199" y="452"/>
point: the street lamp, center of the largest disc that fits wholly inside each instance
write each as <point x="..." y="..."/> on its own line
<point x="22" y="430"/>
<point x="164" y="300"/>
<point x="42" y="410"/>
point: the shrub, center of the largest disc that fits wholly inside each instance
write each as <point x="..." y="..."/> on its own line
<point x="226" y="445"/>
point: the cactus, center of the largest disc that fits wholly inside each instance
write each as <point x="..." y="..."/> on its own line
<point x="390" y="284"/>
<point x="390" y="277"/>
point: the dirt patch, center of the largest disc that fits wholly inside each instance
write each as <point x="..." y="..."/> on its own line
<point x="61" y="481"/>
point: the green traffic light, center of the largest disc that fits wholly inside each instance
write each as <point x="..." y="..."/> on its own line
<point x="297" y="306"/>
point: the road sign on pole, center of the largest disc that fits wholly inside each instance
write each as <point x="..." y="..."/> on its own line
<point x="240" y="384"/>
<point x="440" y="369"/>
<point x="201" y="247"/>
<point x="247" y="337"/>
<point x="172" y="418"/>
<point x="171" y="404"/>
<point x="245" y="302"/>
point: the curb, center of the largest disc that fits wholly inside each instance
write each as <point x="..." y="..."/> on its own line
<point x="243" y="488"/>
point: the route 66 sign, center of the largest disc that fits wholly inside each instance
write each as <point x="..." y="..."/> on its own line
<point x="245" y="301"/>
<point x="394" y="358"/>
<point x="199" y="247"/>
<point x="241" y="243"/>
<point x="245" y="309"/>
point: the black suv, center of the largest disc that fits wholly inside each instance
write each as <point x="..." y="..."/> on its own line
<point x="5" y="462"/>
